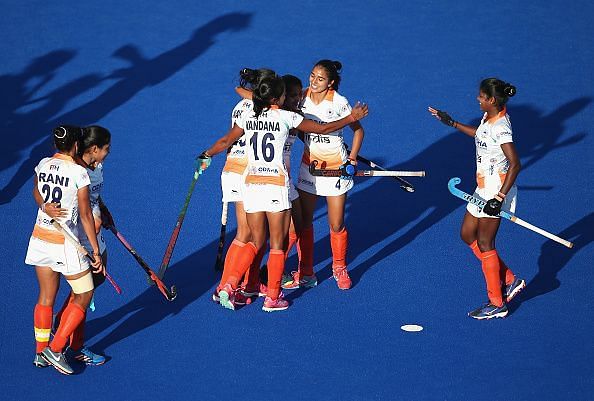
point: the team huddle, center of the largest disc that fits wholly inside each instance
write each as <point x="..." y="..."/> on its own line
<point x="274" y="203"/>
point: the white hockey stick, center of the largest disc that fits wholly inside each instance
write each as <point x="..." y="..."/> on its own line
<point x="506" y="215"/>
<point x="83" y="251"/>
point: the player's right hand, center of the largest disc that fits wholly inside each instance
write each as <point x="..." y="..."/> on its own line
<point x="202" y="162"/>
<point x="360" y="111"/>
<point x="442" y="116"/>
<point x="54" y="211"/>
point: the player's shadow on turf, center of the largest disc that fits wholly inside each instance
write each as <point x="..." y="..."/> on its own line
<point x="193" y="278"/>
<point x="382" y="219"/>
<point x="140" y="73"/>
<point x="25" y="110"/>
<point x="554" y="257"/>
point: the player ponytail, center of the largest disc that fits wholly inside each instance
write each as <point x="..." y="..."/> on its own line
<point x="93" y="135"/>
<point x="498" y="89"/>
<point x="333" y="69"/>
<point x="269" y="88"/>
<point x="249" y="78"/>
<point x="65" y="136"/>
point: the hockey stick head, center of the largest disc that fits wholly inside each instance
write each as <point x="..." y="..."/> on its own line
<point x="453" y="182"/>
<point x="407" y="188"/>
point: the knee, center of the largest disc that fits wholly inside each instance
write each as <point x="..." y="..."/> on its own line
<point x="485" y="245"/>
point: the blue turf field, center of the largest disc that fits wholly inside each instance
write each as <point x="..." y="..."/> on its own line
<point x="160" y="75"/>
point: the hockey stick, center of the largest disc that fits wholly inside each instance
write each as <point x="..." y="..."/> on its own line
<point x="176" y="229"/>
<point x="169" y="294"/>
<point x="509" y="216"/>
<point x="362" y="173"/>
<point x="82" y="250"/>
<point x="405" y="185"/>
<point x="221" y="247"/>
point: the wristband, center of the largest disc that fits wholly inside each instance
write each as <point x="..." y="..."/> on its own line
<point x="501" y="194"/>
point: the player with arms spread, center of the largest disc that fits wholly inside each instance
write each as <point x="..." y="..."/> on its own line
<point x="497" y="166"/>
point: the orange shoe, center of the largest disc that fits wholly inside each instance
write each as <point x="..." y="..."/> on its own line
<point x="341" y="275"/>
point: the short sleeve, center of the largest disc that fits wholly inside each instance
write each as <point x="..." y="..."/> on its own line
<point x="295" y="119"/>
<point x="342" y="108"/>
<point x="82" y="178"/>
<point x="502" y="133"/>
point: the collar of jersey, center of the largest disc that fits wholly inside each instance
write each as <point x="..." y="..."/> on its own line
<point x="329" y="95"/>
<point x="499" y="115"/>
<point x="63" y="157"/>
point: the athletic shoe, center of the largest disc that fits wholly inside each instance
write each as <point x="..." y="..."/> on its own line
<point x="273" y="305"/>
<point x="57" y="360"/>
<point x="39" y="361"/>
<point x="250" y="293"/>
<point x="341" y="275"/>
<point x="227" y="297"/>
<point x="215" y="296"/>
<point x="295" y="280"/>
<point x="489" y="311"/>
<point x="514" y="289"/>
<point x="87" y="356"/>
<point x="241" y="298"/>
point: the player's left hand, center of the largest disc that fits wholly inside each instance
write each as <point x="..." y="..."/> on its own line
<point x="492" y="207"/>
<point x="348" y="169"/>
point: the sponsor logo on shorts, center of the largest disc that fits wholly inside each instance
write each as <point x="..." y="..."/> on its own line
<point x="275" y="202"/>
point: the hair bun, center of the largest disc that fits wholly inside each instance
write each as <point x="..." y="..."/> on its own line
<point x="509" y="90"/>
<point x="60" y="132"/>
<point x="247" y="73"/>
<point x="337" y="65"/>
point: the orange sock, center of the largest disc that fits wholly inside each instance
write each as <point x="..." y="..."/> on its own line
<point x="251" y="280"/>
<point x="244" y="258"/>
<point x="42" y="324"/>
<point x="505" y="273"/>
<point x="276" y="266"/>
<point x="230" y="260"/>
<point x="339" y="243"/>
<point x="305" y="244"/>
<point x="475" y="249"/>
<point x="490" y="266"/>
<point x="292" y="241"/>
<point x="77" y="338"/>
<point x="72" y="317"/>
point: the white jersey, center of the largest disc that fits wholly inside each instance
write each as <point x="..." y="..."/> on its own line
<point x="326" y="148"/>
<point x="58" y="180"/>
<point x="288" y="147"/>
<point x="237" y="155"/>
<point x="96" y="177"/>
<point x="491" y="163"/>
<point x="265" y="139"/>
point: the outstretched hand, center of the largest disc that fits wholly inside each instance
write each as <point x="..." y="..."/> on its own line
<point x="360" y="111"/>
<point x="442" y="116"/>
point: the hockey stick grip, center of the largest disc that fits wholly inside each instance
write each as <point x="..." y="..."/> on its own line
<point x="83" y="251"/>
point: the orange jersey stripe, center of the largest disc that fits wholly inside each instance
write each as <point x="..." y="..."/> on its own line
<point x="233" y="165"/>
<point x="46" y="235"/>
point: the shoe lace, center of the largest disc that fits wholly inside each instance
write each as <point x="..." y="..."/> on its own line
<point x="340" y="271"/>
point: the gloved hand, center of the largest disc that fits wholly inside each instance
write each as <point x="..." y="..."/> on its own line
<point x="492" y="207"/>
<point x="445" y="118"/>
<point x="347" y="170"/>
<point x="202" y="162"/>
<point x="106" y="217"/>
